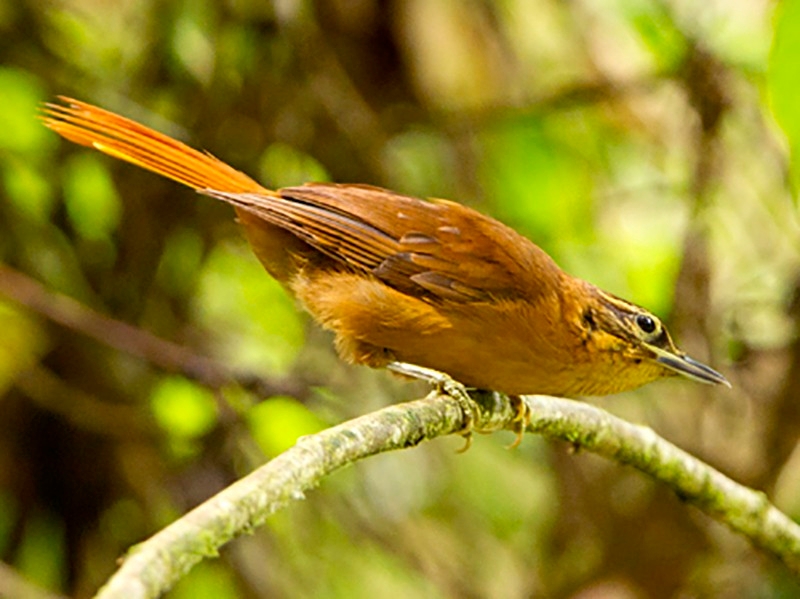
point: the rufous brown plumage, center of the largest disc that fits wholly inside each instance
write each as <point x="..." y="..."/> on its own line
<point x="425" y="282"/>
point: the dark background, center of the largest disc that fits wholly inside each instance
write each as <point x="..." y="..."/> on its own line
<point x="634" y="141"/>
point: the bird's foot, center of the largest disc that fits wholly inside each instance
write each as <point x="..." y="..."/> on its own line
<point x="445" y="385"/>
<point x="521" y="420"/>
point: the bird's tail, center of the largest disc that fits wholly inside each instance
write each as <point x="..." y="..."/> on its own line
<point x="127" y="140"/>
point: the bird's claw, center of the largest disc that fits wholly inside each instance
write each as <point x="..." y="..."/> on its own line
<point x="452" y="388"/>
<point x="521" y="420"/>
<point x="445" y="385"/>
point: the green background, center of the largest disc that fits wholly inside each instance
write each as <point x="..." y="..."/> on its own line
<point x="650" y="147"/>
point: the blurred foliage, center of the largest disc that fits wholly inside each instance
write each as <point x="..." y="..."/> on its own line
<point x="633" y="140"/>
<point x="22" y="345"/>
<point x="255" y="322"/>
<point x="278" y="422"/>
<point x="184" y="409"/>
<point x="90" y="200"/>
<point x="783" y="75"/>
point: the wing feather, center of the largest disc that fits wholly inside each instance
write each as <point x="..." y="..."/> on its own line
<point x="435" y="249"/>
<point x="432" y="249"/>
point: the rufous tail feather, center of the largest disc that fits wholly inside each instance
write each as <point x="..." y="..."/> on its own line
<point x="127" y="140"/>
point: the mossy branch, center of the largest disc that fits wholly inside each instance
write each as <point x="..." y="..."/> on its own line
<point x="155" y="565"/>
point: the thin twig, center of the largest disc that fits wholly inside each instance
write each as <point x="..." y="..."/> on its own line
<point x="81" y="409"/>
<point x="155" y="565"/>
<point x="129" y="339"/>
<point x="741" y="509"/>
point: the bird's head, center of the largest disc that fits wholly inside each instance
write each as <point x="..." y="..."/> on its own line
<point x="631" y="347"/>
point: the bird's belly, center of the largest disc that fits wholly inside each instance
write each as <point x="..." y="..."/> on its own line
<point x="488" y="364"/>
<point x="487" y="346"/>
<point x="510" y="346"/>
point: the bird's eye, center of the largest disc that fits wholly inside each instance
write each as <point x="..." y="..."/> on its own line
<point x="646" y="323"/>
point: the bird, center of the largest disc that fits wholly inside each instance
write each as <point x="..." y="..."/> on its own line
<point x="426" y="283"/>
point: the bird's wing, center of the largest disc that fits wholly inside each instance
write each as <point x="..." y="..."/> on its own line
<point x="436" y="249"/>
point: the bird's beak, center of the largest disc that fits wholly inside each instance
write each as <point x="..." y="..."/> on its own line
<point x="686" y="366"/>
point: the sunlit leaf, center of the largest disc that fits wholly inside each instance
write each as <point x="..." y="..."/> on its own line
<point x="90" y="197"/>
<point x="28" y="190"/>
<point x="541" y="187"/>
<point x="191" y="40"/>
<point x="183" y="408"/>
<point x="658" y="30"/>
<point x="277" y="423"/>
<point x="282" y="165"/>
<point x="207" y="580"/>
<point x="20" y="130"/>
<point x="783" y="77"/>
<point x="254" y="321"/>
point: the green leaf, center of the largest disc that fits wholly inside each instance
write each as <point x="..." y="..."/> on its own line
<point x="183" y="408"/>
<point x="657" y="30"/>
<point x="91" y="200"/>
<point x="542" y="185"/>
<point x="21" y="130"/>
<point x="417" y="163"/>
<point x="207" y="580"/>
<point x="28" y="191"/>
<point x="23" y="344"/>
<point x="39" y="554"/>
<point x="181" y="261"/>
<point x="192" y="42"/>
<point x="783" y="78"/>
<point x="256" y="323"/>
<point x="278" y="422"/>
<point x="282" y="165"/>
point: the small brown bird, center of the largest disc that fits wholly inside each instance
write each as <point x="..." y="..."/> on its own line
<point x="429" y="283"/>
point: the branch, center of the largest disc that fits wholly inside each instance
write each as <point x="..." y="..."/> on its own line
<point x="156" y="564"/>
<point x="741" y="509"/>
<point x="127" y="338"/>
